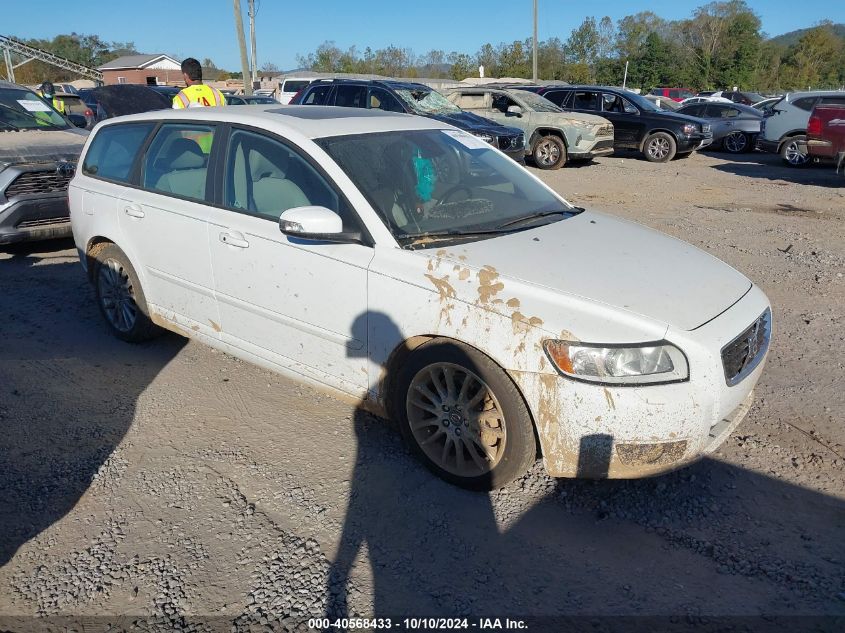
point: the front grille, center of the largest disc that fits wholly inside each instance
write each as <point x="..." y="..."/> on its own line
<point x="705" y="128"/>
<point x="513" y="142"/>
<point x="32" y="224"/>
<point x="744" y="353"/>
<point x="605" y="130"/>
<point x="605" y="144"/>
<point x="38" y="182"/>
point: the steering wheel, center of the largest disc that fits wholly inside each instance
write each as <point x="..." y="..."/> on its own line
<point x="445" y="197"/>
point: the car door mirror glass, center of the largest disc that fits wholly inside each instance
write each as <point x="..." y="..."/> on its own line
<point x="514" y="110"/>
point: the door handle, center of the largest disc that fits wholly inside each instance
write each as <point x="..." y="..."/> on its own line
<point x="133" y="211"/>
<point x="234" y="239"/>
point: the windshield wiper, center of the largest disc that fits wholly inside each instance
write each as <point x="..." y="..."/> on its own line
<point x="540" y="214"/>
<point x="434" y="236"/>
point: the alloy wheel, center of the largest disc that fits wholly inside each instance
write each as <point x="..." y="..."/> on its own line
<point x="456" y="419"/>
<point x="547" y="153"/>
<point x="117" y="295"/>
<point x="736" y="142"/>
<point x="658" y="148"/>
<point x="794" y="155"/>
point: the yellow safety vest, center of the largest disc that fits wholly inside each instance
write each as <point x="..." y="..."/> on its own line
<point x="198" y="95"/>
<point x="58" y="104"/>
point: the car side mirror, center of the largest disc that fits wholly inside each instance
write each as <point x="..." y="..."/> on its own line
<point x="317" y="224"/>
<point x="514" y="110"/>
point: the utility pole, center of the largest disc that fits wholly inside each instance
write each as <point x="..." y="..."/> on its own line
<point x="535" y="43"/>
<point x="239" y="27"/>
<point x="252" y="40"/>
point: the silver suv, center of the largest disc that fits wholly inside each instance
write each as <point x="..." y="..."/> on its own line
<point x="552" y="135"/>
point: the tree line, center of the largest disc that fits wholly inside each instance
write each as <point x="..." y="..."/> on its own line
<point x="720" y="45"/>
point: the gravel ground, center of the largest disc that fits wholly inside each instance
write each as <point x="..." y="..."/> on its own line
<point x="168" y="483"/>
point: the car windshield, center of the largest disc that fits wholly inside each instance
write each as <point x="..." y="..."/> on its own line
<point x="753" y="97"/>
<point x="426" y="101"/>
<point x="24" y="110"/>
<point x="538" y="103"/>
<point x="641" y="102"/>
<point x="435" y="185"/>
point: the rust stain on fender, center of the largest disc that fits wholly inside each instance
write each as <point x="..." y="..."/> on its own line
<point x="522" y="322"/>
<point x="443" y="287"/>
<point x="513" y="303"/>
<point x="609" y="397"/>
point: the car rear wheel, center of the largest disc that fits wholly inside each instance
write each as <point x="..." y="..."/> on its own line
<point x="463" y="416"/>
<point x="794" y="151"/>
<point x="659" y="147"/>
<point x="549" y="153"/>
<point x="119" y="295"/>
<point x="736" y="143"/>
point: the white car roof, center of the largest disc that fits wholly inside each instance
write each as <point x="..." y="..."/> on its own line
<point x="309" y="121"/>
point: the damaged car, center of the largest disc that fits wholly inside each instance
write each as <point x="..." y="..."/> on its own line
<point x="552" y="135"/>
<point x="38" y="153"/>
<point x="409" y="265"/>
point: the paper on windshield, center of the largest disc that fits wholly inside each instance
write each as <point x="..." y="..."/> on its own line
<point x="34" y="106"/>
<point x="467" y="140"/>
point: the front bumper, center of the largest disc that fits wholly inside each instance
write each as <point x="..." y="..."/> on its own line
<point x="602" y="147"/>
<point x="36" y="218"/>
<point x="595" y="431"/>
<point x="765" y="145"/>
<point x="694" y="143"/>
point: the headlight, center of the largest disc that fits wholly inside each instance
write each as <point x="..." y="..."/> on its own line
<point x="487" y="138"/>
<point x="649" y="363"/>
<point x="690" y="129"/>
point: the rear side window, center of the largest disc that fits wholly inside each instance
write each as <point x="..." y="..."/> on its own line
<point x="805" y="103"/>
<point x="177" y="160"/>
<point x="113" y="150"/>
<point x="294" y="85"/>
<point x="836" y="100"/>
<point x="351" y="96"/>
<point x="586" y="101"/>
<point x="470" y="101"/>
<point x="317" y="96"/>
<point x="558" y="97"/>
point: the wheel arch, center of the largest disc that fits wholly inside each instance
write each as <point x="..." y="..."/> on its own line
<point x="540" y="132"/>
<point x="785" y="138"/>
<point x="655" y="131"/>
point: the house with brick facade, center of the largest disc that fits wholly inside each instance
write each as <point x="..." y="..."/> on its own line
<point x="150" y="70"/>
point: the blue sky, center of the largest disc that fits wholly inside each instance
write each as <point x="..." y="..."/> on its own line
<point x="205" y="28"/>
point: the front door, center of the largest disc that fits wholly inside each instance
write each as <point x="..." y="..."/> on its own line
<point x="628" y="128"/>
<point x="299" y="304"/>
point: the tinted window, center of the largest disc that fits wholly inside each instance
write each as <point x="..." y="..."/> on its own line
<point x="838" y="100"/>
<point x="317" y="95"/>
<point x="586" y="100"/>
<point x="113" y="151"/>
<point x="805" y="103"/>
<point x="177" y="160"/>
<point x="351" y="96"/>
<point x="615" y="103"/>
<point x="696" y="110"/>
<point x="294" y="85"/>
<point x="381" y="99"/>
<point x="558" y="97"/>
<point x="265" y="177"/>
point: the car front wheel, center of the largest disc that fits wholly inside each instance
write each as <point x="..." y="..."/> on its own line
<point x="119" y="295"/>
<point x="463" y="416"/>
<point x="659" y="147"/>
<point x="794" y="151"/>
<point x="549" y="153"/>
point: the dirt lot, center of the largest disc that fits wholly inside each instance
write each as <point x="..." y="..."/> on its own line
<point x="171" y="483"/>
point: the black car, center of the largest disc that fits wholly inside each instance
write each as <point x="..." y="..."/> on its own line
<point x="637" y="123"/>
<point x="411" y="98"/>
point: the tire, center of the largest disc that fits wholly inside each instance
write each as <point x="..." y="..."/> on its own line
<point x="791" y="154"/>
<point x="736" y="143"/>
<point x="549" y="152"/>
<point x="439" y="393"/>
<point x="659" y="147"/>
<point x="120" y="296"/>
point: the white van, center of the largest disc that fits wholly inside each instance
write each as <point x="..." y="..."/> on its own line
<point x="290" y="86"/>
<point x="784" y="129"/>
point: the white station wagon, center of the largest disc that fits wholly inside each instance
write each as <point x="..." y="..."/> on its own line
<point x="410" y="265"/>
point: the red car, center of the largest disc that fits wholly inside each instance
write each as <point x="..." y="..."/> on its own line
<point x="675" y="94"/>
<point x="826" y="133"/>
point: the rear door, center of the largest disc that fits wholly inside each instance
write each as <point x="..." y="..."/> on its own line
<point x="296" y="303"/>
<point x="350" y="96"/>
<point x="166" y="222"/>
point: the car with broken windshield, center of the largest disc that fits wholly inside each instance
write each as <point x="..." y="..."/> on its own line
<point x="411" y="98"/>
<point x="409" y="265"/>
<point x="552" y="136"/>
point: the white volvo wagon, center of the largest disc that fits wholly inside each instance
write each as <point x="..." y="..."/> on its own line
<point x="407" y="264"/>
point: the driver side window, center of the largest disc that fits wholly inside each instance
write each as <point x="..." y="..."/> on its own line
<point x="265" y="177"/>
<point x="501" y="103"/>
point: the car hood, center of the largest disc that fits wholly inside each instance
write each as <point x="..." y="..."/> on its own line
<point x="617" y="263"/>
<point x="469" y="121"/>
<point x="39" y="146"/>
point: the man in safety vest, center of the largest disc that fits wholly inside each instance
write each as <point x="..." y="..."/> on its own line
<point x="196" y="94"/>
<point x="48" y="92"/>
